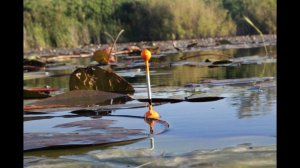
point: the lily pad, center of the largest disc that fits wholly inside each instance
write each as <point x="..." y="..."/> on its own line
<point x="236" y="81"/>
<point x="222" y="62"/>
<point x="34" y="109"/>
<point x="222" y="42"/>
<point x="95" y="78"/>
<point x="32" y="62"/>
<point x="79" y="98"/>
<point x="89" y="132"/>
<point x="173" y="100"/>
<point x="31" y="94"/>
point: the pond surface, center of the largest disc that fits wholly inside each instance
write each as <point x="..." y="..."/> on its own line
<point x="239" y="130"/>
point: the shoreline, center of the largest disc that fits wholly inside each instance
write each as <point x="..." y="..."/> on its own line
<point x="164" y="46"/>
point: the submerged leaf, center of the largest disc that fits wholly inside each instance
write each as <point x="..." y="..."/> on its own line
<point x="88" y="132"/>
<point x="95" y="78"/>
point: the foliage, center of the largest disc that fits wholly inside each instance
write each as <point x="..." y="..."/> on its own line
<point x="262" y="13"/>
<point x="73" y="23"/>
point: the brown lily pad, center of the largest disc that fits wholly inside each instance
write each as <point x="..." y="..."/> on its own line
<point x="88" y="132"/>
<point x="95" y="78"/>
<point x="32" y="62"/>
<point x="31" y="94"/>
<point x="77" y="98"/>
<point x="235" y="81"/>
<point x="35" y="109"/>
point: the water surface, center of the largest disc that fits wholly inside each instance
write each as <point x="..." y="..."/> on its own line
<point x="244" y="116"/>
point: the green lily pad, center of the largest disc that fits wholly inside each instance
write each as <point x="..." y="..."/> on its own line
<point x="95" y="78"/>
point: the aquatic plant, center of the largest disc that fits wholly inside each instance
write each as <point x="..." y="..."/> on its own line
<point x="257" y="29"/>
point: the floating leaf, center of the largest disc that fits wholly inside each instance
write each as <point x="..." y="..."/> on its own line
<point x="29" y="94"/>
<point x="133" y="50"/>
<point x="102" y="56"/>
<point x="90" y="132"/>
<point x="191" y="45"/>
<point x="35" y="109"/>
<point x="33" y="63"/>
<point x="204" y="55"/>
<point x="223" y="41"/>
<point x="78" y="98"/>
<point x="87" y="133"/>
<point x="172" y="100"/>
<point x="95" y="78"/>
<point x="222" y="62"/>
<point x="236" y="81"/>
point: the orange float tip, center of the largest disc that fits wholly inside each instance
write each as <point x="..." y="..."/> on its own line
<point x="146" y="54"/>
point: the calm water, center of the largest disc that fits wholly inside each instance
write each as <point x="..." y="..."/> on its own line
<point x="243" y="116"/>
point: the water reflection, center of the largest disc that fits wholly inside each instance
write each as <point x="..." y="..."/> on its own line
<point x="151" y="123"/>
<point x="254" y="103"/>
<point x="179" y="75"/>
<point x="248" y="104"/>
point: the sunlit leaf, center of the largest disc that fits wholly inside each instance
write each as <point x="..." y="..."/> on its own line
<point x="102" y="56"/>
<point x="95" y="78"/>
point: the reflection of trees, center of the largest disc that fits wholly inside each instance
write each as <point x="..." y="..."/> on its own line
<point x="251" y="103"/>
<point x="54" y="82"/>
<point x="182" y="75"/>
<point x="250" y="51"/>
<point x="243" y="71"/>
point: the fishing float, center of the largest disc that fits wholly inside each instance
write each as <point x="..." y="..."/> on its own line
<point x="146" y="55"/>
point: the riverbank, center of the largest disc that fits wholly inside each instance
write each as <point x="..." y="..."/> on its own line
<point x="164" y="46"/>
